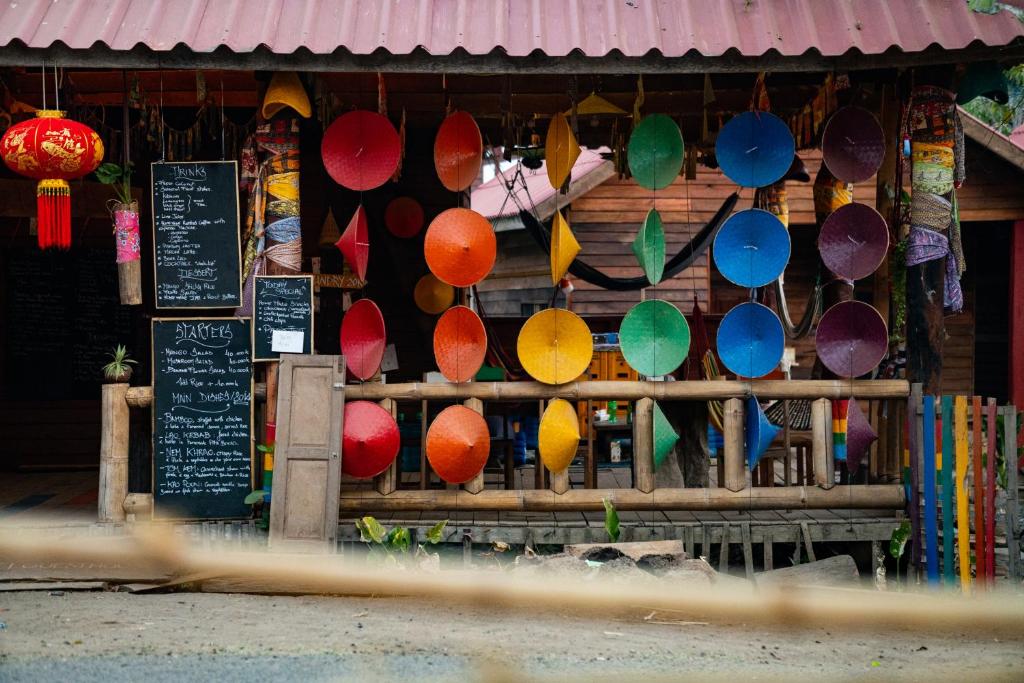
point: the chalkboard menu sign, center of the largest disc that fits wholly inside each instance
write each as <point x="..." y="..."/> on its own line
<point x="282" y="316"/>
<point x="195" y="233"/>
<point x="202" y="417"/>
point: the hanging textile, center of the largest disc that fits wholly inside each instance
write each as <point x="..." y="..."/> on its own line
<point x="937" y="167"/>
<point x="272" y="242"/>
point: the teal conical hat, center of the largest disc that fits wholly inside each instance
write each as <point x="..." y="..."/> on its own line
<point x="649" y="247"/>
<point x="665" y="437"/>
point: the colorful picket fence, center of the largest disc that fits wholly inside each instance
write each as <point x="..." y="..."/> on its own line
<point x="964" y="496"/>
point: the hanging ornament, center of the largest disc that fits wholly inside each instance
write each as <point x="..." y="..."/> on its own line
<point x="370" y="440"/>
<point x="654" y="337"/>
<point x="555" y="346"/>
<point x="649" y="247"/>
<point x="361" y="150"/>
<point x="460" y="247"/>
<point x="560" y="151"/>
<point x="665" y="437"/>
<point x="655" y="152"/>
<point x="558" y="436"/>
<point x="460" y="344"/>
<point x="363" y="338"/>
<point x="354" y="243"/>
<point x="458" y="149"/>
<point x="458" y="444"/>
<point x="759" y="432"/>
<point x="564" y="247"/>
<point x="52" y="150"/>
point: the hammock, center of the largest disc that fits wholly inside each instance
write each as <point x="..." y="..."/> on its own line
<point x="682" y="260"/>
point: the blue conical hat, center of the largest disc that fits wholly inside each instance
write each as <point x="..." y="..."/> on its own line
<point x="759" y="432"/>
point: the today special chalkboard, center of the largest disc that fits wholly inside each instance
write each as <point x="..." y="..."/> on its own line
<point x="195" y="235"/>
<point x="282" y="315"/>
<point x="202" y="418"/>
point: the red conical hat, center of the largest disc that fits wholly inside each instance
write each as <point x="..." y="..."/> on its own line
<point x="458" y="444"/>
<point x="460" y="247"/>
<point x="403" y="217"/>
<point x="354" y="243"/>
<point x="458" y="150"/>
<point x="460" y="343"/>
<point x="361" y="150"/>
<point x="370" y="440"/>
<point x="362" y="338"/>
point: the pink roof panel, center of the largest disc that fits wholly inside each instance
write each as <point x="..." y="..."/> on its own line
<point x="595" y="28"/>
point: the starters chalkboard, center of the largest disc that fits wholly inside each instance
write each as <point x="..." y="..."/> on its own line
<point x="282" y="316"/>
<point x="195" y="234"/>
<point x="202" y="418"/>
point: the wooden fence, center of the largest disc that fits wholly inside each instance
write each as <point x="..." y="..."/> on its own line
<point x="734" y="492"/>
<point x="963" y="482"/>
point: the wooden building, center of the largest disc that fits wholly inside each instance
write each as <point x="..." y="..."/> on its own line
<point x="159" y="87"/>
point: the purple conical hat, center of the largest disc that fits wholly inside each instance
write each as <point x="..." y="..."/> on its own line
<point x="859" y="436"/>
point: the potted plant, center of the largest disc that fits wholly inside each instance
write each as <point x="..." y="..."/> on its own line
<point x="119" y="369"/>
<point x="125" y="212"/>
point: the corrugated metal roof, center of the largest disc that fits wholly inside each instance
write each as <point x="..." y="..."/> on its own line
<point x="595" y="28"/>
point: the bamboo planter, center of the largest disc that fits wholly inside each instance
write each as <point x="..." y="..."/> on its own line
<point x="126" y="240"/>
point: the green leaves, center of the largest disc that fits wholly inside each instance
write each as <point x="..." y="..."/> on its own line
<point x="434" y="534"/>
<point x="611" y="520"/>
<point x="371" y="531"/>
<point x="898" y="542"/>
<point x="255" y="497"/>
<point x="398" y="539"/>
<point x="109" y="173"/>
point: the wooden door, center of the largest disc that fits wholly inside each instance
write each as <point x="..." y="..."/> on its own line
<point x="307" y="458"/>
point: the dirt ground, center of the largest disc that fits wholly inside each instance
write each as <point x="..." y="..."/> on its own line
<point x="97" y="636"/>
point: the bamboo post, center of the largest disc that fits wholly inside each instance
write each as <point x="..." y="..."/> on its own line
<point x="643" y="445"/>
<point x="978" y="473"/>
<point x="948" y="465"/>
<point x="963" y="518"/>
<point x="732" y="450"/>
<point x="821" y="437"/>
<point x="129" y="282"/>
<point x="590" y="476"/>
<point x="931" y="512"/>
<point x="990" y="494"/>
<point x="113" y="484"/>
<point x="476" y="484"/>
<point x="424" y="467"/>
<point x="1012" y="510"/>
<point x="915" y="432"/>
<point x="387" y="481"/>
<point x="560" y="481"/>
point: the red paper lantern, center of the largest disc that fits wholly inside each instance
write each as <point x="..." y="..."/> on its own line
<point x="52" y="150"/>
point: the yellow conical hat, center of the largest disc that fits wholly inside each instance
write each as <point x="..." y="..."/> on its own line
<point x="555" y="346"/>
<point x="560" y="150"/>
<point x="564" y="247"/>
<point x="433" y="296"/>
<point x="285" y="90"/>
<point x="559" y="435"/>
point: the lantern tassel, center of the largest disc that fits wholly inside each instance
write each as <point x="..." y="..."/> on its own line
<point x="53" y="208"/>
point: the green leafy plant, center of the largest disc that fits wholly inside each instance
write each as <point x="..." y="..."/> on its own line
<point x="119" y="178"/>
<point x="611" y="520"/>
<point x="397" y="541"/>
<point x="120" y="366"/>
<point x="898" y="543"/>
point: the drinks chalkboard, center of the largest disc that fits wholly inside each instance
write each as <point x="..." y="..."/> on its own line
<point x="195" y="233"/>
<point x="282" y="316"/>
<point x="202" y="417"/>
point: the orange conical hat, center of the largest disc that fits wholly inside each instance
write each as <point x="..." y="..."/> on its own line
<point x="458" y="443"/>
<point x="460" y="247"/>
<point x="460" y="343"/>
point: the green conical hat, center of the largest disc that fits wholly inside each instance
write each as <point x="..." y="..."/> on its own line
<point x="664" y="436"/>
<point x="654" y="337"/>
<point x="649" y="247"/>
<point x="655" y="152"/>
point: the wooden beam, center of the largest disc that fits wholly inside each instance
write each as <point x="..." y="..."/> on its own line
<point x="717" y="390"/>
<point x="387" y="481"/>
<point x="875" y="496"/>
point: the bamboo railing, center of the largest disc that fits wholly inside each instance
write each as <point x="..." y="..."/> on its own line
<point x="734" y="494"/>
